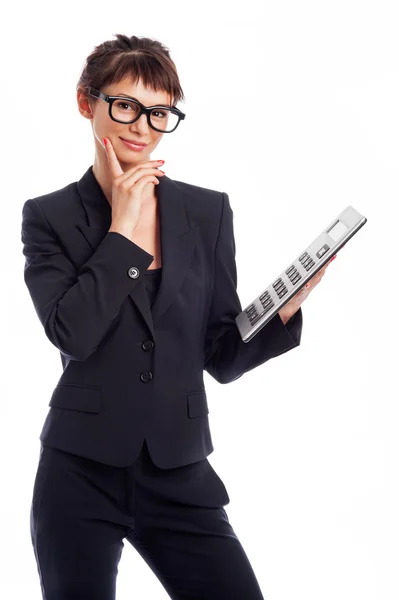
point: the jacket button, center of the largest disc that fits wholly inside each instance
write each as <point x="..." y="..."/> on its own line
<point x="133" y="272"/>
<point x="147" y="345"/>
<point x="146" y="376"/>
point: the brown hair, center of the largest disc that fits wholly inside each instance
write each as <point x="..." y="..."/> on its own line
<point x="134" y="57"/>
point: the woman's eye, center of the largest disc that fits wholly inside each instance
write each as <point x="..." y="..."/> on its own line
<point x="124" y="105"/>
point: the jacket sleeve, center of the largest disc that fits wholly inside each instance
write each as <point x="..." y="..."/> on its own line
<point x="76" y="307"/>
<point x="227" y="357"/>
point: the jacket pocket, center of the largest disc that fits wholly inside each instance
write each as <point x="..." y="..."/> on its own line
<point x="86" y="398"/>
<point x="197" y="404"/>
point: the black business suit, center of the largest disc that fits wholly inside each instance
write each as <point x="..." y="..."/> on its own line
<point x="133" y="373"/>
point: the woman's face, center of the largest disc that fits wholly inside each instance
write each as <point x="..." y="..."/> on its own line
<point x="140" y="131"/>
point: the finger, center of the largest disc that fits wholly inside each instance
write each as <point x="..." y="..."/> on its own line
<point x="321" y="271"/>
<point x="319" y="275"/>
<point x="313" y="281"/>
<point x="324" y="268"/>
<point x="113" y="162"/>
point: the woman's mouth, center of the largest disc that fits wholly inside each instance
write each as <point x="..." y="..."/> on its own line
<point x="133" y="146"/>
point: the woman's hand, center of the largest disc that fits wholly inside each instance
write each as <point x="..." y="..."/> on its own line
<point x="293" y="305"/>
<point x="128" y="188"/>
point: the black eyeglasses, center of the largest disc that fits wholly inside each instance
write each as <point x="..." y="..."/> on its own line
<point x="161" y="118"/>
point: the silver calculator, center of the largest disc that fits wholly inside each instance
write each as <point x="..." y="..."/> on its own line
<point x="272" y="299"/>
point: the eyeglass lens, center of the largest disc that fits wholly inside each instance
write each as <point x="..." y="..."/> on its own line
<point x="161" y="118"/>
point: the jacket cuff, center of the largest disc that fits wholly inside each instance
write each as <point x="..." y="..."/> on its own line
<point x="294" y="326"/>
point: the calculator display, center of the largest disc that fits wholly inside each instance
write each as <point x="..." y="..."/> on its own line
<point x="337" y="231"/>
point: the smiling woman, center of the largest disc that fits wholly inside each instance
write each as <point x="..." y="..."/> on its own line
<point x="128" y="89"/>
<point x="128" y="423"/>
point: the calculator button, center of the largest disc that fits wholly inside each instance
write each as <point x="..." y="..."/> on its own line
<point x="322" y="251"/>
<point x="267" y="304"/>
<point x="277" y="282"/>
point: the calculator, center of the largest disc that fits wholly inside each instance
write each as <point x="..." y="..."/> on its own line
<point x="289" y="282"/>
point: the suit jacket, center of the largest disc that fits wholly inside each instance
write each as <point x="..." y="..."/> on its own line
<point x="131" y="372"/>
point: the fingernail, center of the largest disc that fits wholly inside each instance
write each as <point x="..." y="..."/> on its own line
<point x="334" y="257"/>
<point x="105" y="141"/>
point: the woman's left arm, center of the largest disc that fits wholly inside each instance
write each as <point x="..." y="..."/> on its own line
<point x="227" y="357"/>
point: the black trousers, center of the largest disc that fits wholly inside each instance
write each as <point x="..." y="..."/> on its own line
<point x="82" y="510"/>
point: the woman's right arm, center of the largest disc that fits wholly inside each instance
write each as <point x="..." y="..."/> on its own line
<point x="76" y="307"/>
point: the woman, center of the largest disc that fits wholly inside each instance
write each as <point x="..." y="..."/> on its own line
<point x="125" y="443"/>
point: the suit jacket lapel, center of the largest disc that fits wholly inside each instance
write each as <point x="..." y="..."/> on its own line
<point x="178" y="239"/>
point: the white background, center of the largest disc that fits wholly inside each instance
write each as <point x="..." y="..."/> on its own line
<point x="292" y="109"/>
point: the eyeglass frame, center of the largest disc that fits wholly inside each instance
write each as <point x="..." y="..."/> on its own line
<point x="143" y="109"/>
